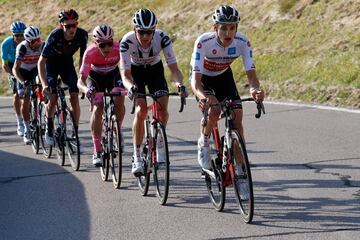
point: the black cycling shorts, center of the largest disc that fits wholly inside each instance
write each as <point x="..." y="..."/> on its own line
<point x="151" y="76"/>
<point x="222" y="86"/>
<point x="104" y="81"/>
<point x="66" y="69"/>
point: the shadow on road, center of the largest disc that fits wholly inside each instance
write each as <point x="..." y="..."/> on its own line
<point x="40" y="200"/>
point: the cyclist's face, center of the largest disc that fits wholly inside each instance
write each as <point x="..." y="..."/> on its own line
<point x="35" y="44"/>
<point x="69" y="27"/>
<point x="18" y="37"/>
<point x="144" y="37"/>
<point x="105" y="47"/>
<point x="226" y="33"/>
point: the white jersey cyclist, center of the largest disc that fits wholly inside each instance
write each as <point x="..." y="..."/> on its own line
<point x="211" y="59"/>
<point x="132" y="53"/>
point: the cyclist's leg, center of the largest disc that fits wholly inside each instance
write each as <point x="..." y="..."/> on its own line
<point x="157" y="85"/>
<point x="52" y="72"/>
<point x="16" y="99"/>
<point x="116" y="86"/>
<point x="69" y="77"/>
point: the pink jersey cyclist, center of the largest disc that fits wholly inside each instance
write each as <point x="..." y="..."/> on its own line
<point x="100" y="72"/>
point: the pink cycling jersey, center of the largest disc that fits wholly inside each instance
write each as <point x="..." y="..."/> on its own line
<point x="95" y="61"/>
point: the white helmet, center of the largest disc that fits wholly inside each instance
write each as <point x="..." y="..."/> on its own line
<point x="226" y="14"/>
<point x="31" y="33"/>
<point x="144" y="19"/>
<point x="103" y="33"/>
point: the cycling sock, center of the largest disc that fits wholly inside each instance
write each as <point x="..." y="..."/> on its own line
<point x="97" y="144"/>
<point x="137" y="156"/>
<point x="205" y="139"/>
<point x="19" y="119"/>
<point x="27" y="126"/>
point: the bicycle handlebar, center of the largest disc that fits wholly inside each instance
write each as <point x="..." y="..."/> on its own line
<point x="155" y="97"/>
<point x="228" y="103"/>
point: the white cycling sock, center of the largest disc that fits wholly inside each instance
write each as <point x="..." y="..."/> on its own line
<point x="205" y="139"/>
<point x="19" y="119"/>
<point x="137" y="153"/>
<point x="27" y="126"/>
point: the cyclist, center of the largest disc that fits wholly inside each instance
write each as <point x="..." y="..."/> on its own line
<point x="57" y="59"/>
<point x="100" y="71"/>
<point x="212" y="79"/>
<point x="8" y="49"/>
<point x="141" y="65"/>
<point x="25" y="71"/>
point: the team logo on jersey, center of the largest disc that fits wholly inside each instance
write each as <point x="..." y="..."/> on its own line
<point x="248" y="44"/>
<point x="231" y="51"/>
<point x="214" y="51"/>
<point x="199" y="45"/>
<point x="197" y="56"/>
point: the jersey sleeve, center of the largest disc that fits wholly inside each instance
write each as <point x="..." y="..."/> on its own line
<point x="125" y="61"/>
<point x="3" y="54"/>
<point x="247" y="56"/>
<point x="86" y="64"/>
<point x="167" y="47"/>
<point x="48" y="47"/>
<point x="20" y="53"/>
<point x="197" y="59"/>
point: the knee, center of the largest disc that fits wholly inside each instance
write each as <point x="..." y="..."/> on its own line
<point x="214" y="114"/>
<point x="141" y="113"/>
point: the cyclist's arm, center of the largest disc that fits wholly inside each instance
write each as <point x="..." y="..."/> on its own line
<point x="16" y="71"/>
<point x="196" y="85"/>
<point x="42" y="71"/>
<point x="254" y="83"/>
<point x="6" y="67"/>
<point x="176" y="74"/>
<point x="127" y="78"/>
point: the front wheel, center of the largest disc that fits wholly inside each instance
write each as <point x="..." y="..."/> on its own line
<point x="47" y="149"/>
<point x="72" y="141"/>
<point x="59" y="136"/>
<point x="241" y="177"/>
<point x="115" y="152"/>
<point x="34" y="126"/>
<point x="215" y="187"/>
<point x="161" y="165"/>
<point x="104" y="168"/>
<point x="144" y="180"/>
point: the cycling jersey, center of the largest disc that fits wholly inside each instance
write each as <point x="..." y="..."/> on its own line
<point x="8" y="50"/>
<point x="57" y="46"/>
<point x="27" y="56"/>
<point x="131" y="53"/>
<point x="212" y="59"/>
<point x="95" y="61"/>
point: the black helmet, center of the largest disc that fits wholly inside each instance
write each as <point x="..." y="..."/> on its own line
<point x="226" y="14"/>
<point x="144" y="19"/>
<point x="68" y="14"/>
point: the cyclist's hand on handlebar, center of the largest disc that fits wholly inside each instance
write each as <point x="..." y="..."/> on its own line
<point x="46" y="91"/>
<point x="257" y="93"/>
<point x="132" y="93"/>
<point x="204" y="104"/>
<point x="183" y="91"/>
<point x="90" y="93"/>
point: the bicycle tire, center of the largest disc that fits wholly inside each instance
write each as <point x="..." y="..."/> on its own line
<point x="215" y="187"/>
<point x="47" y="149"/>
<point x="161" y="169"/>
<point x="72" y="143"/>
<point x="241" y="176"/>
<point x="144" y="180"/>
<point x="115" y="152"/>
<point x="59" y="139"/>
<point x="34" y="126"/>
<point x="104" y="168"/>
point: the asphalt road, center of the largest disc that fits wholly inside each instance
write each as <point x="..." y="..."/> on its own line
<point x="305" y="165"/>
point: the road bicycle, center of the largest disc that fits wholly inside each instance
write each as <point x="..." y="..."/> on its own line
<point x="155" y="145"/>
<point x="65" y="133"/>
<point x="35" y="104"/>
<point x="229" y="162"/>
<point x="111" y="141"/>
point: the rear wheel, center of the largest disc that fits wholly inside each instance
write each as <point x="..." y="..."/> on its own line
<point x="144" y="180"/>
<point x="34" y="126"/>
<point x="161" y="167"/>
<point x="47" y="149"/>
<point x="215" y="187"/>
<point x="72" y="141"/>
<point x="59" y="138"/>
<point x="115" y="152"/>
<point x="241" y="177"/>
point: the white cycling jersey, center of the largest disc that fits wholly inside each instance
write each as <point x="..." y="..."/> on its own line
<point x="212" y="59"/>
<point x="132" y="53"/>
<point x="27" y="56"/>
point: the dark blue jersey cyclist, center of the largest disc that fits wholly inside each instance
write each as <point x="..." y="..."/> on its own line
<point x="57" y="60"/>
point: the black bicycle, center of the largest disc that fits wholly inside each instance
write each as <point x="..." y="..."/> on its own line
<point x="65" y="132"/>
<point x="35" y="104"/>
<point x="229" y="162"/>
<point x="111" y="142"/>
<point x="155" y="147"/>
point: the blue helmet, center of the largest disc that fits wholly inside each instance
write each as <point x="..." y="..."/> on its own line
<point x="17" y="27"/>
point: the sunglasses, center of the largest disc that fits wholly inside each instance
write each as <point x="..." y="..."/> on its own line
<point x="68" y="26"/>
<point x="19" y="35"/>
<point x="105" y="44"/>
<point x="34" y="41"/>
<point x="143" y="32"/>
